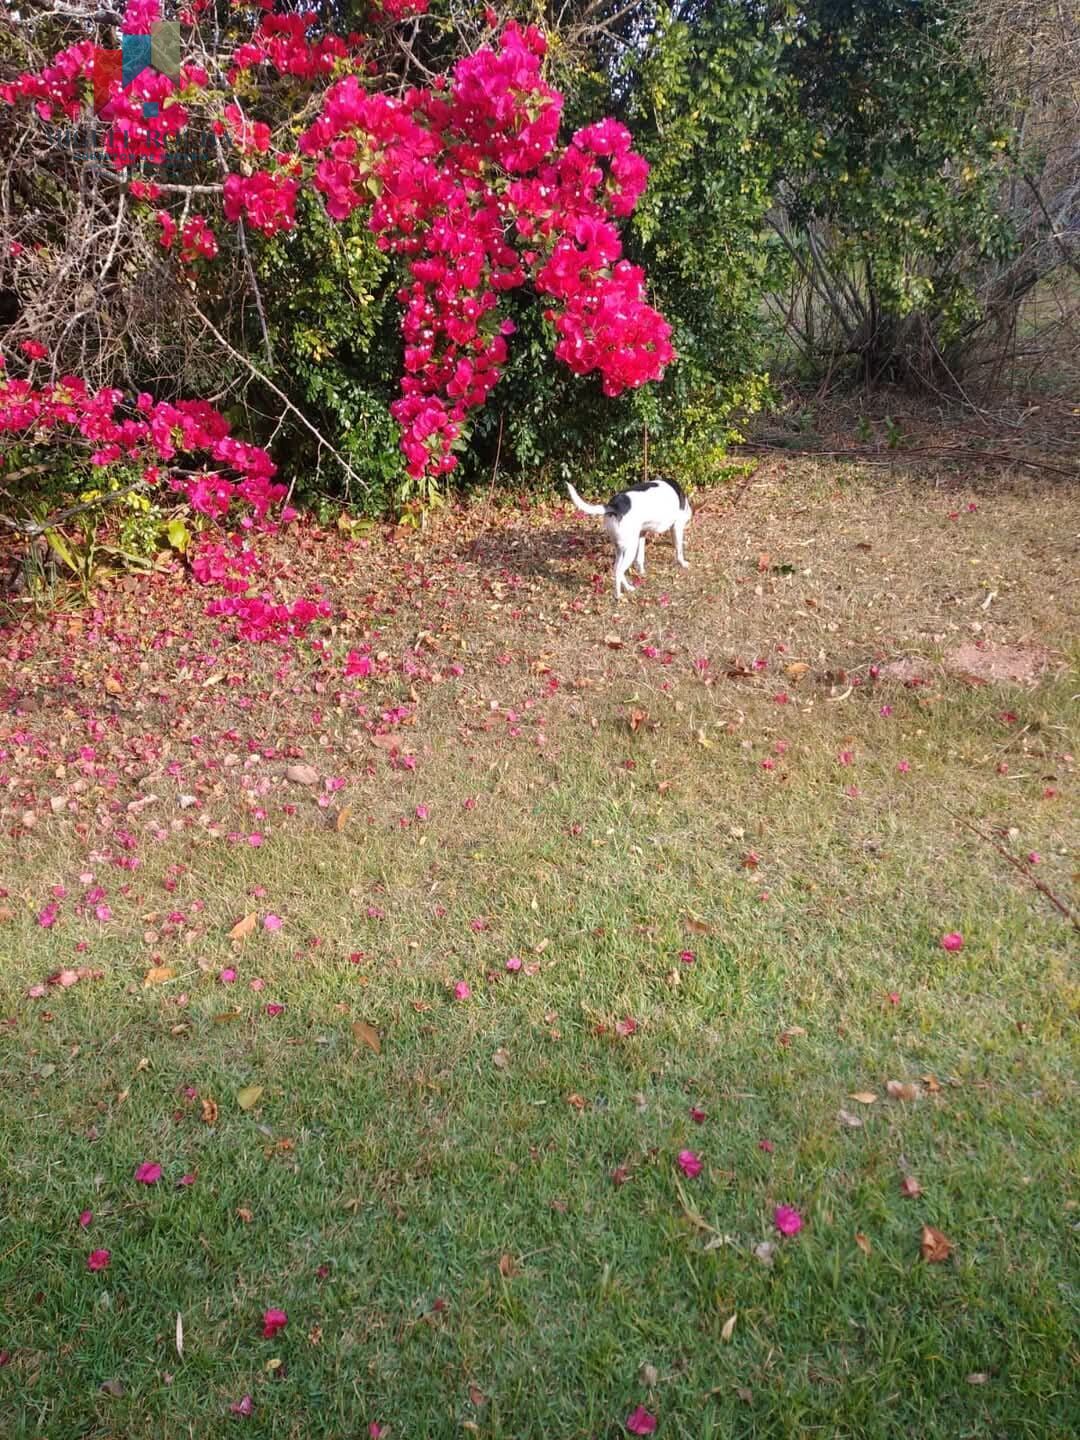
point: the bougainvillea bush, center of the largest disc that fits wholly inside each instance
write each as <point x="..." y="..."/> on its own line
<point x="466" y="186"/>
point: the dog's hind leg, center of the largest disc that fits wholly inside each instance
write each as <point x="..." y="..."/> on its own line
<point x="640" y="561"/>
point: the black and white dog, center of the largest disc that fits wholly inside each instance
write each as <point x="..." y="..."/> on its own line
<point x="651" y="508"/>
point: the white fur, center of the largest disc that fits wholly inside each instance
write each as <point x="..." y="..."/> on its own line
<point x="652" y="512"/>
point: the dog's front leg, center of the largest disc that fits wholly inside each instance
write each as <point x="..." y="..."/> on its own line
<point x="641" y="555"/>
<point x="678" y="546"/>
<point x="622" y="564"/>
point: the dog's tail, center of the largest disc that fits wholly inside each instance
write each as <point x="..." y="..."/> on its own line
<point x="583" y="505"/>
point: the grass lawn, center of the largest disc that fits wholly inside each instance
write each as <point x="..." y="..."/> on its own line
<point x="566" y="892"/>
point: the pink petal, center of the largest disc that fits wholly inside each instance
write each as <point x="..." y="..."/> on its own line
<point x="690" y="1164"/>
<point x="462" y="990"/>
<point x="257" y="984"/>
<point x="273" y="1321"/>
<point x="85" y="1218"/>
<point x="272" y="922"/>
<point x="185" y="1180"/>
<point x="35" y="992"/>
<point x="953" y="941"/>
<point x="698" y="1116"/>
<point x="514" y="963"/>
<point x="640" y="1422"/>
<point x="422" y="812"/>
<point x="227" y="976"/>
<point x="98" y="1259"/>
<point x="788" y="1220"/>
<point x="242" y="1406"/>
<point x="275" y="1009"/>
<point x="148" y="1173"/>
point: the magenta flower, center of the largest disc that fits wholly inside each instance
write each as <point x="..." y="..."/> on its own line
<point x="98" y="1259"/>
<point x="47" y="917"/>
<point x="227" y="976"/>
<point x="275" y="1009"/>
<point x="687" y="957"/>
<point x="698" y="1116"/>
<point x="641" y="1422"/>
<point x="272" y="922"/>
<point x="85" y="1219"/>
<point x="953" y="941"/>
<point x="462" y="990"/>
<point x="788" y="1220"/>
<point x="422" y="812"/>
<point x="243" y="1406"/>
<point x="148" y="1173"/>
<point x="273" y="1321"/>
<point x="690" y="1165"/>
<point x="514" y="963"/>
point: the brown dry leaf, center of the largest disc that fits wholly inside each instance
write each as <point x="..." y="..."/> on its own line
<point x="244" y="1215"/>
<point x="501" y="1058"/>
<point x="796" y="670"/>
<point x="113" y="686"/>
<point x="367" y="1035"/>
<point x="729" y="1328"/>
<point x="978" y="1377"/>
<point x="863" y="1243"/>
<point x="302" y="774"/>
<point x="851" y="1121"/>
<point x="864" y="1097"/>
<point x="902" y="1090"/>
<point x="477" y="1397"/>
<point x="764" y="560"/>
<point x="636" y="719"/>
<point x="209" y="1110"/>
<point x="613" y="642"/>
<point x="934" y="1246"/>
<point x="791" y="1033"/>
<point x="243" y="928"/>
<point x="696" y="926"/>
<point x="931" y="1084"/>
<point x="226" y="1017"/>
<point x="910" y="1188"/>
<point x="249" y="1096"/>
<point x="577" y="1101"/>
<point x="508" y="1267"/>
<point x="344" y="815"/>
<point x="157" y="975"/>
<point x="387" y="742"/>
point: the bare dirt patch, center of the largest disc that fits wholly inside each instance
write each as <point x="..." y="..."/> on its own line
<point x="999" y="664"/>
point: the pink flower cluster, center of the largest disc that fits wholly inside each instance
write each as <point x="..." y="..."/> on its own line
<point x="466" y="185"/>
<point x="235" y="477"/>
<point x="267" y="202"/>
<point x="460" y="172"/>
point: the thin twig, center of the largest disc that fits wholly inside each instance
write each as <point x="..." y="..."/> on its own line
<point x="1025" y="870"/>
<point x="293" y="409"/>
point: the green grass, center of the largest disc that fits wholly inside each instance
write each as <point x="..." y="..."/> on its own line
<point x="408" y="1175"/>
